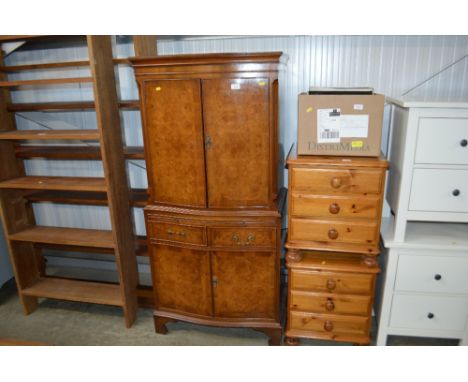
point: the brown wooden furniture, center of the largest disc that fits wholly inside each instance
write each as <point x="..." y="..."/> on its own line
<point x="18" y="191"/>
<point x="211" y="142"/>
<point x="330" y="297"/>
<point x="335" y="203"/>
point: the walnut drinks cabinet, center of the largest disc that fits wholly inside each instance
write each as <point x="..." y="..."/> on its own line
<point x="211" y="144"/>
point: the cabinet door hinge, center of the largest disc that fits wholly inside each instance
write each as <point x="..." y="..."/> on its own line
<point x="214" y="281"/>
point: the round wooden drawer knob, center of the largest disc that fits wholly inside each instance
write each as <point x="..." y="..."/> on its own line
<point x="334" y="208"/>
<point x="328" y="325"/>
<point x="335" y="182"/>
<point x="333" y="233"/>
<point x="330" y="305"/>
<point x="456" y="192"/>
<point x="437" y="277"/>
<point x="463" y="143"/>
<point x="331" y="284"/>
<point x="430" y="316"/>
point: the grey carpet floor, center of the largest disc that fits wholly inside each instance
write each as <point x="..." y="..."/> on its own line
<point x="68" y="323"/>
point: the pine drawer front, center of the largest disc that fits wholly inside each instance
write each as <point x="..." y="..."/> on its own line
<point x="335" y="206"/>
<point x="328" y="181"/>
<point x="178" y="233"/>
<point x="330" y="303"/>
<point x="334" y="231"/>
<point x="432" y="274"/>
<point x="429" y="312"/>
<point x="442" y="141"/>
<point x="331" y="282"/>
<point x="328" y="323"/>
<point x="439" y="190"/>
<point x="242" y="237"/>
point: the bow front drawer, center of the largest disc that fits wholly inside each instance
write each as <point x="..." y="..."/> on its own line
<point x="179" y="233"/>
<point x="242" y="237"/>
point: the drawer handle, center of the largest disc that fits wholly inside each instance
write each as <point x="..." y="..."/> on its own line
<point x="335" y="182"/>
<point x="463" y="143"/>
<point x="437" y="277"/>
<point x="331" y="284"/>
<point x="330" y="305"/>
<point x="430" y="316"/>
<point x="333" y="233"/>
<point x="328" y="325"/>
<point x="334" y="208"/>
<point x="250" y="239"/>
<point x="171" y="232"/>
<point x="456" y="192"/>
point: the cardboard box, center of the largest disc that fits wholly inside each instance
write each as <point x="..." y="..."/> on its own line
<point x="340" y="124"/>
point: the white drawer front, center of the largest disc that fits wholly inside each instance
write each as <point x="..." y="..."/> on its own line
<point x="432" y="274"/>
<point x="413" y="312"/>
<point x="442" y="141"/>
<point x="436" y="189"/>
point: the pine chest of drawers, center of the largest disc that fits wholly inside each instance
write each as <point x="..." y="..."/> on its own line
<point x="330" y="297"/>
<point x="335" y="203"/>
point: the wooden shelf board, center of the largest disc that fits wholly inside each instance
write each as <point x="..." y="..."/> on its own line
<point x="74" y="290"/>
<point x="65" y="236"/>
<point x="63" y="183"/>
<point x="55" y="106"/>
<point x="72" y="152"/>
<point x="59" y="152"/>
<point x="48" y="81"/>
<point x="48" y="65"/>
<point x="138" y="197"/>
<point x="50" y="135"/>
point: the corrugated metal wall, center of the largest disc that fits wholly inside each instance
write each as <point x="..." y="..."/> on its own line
<point x="428" y="67"/>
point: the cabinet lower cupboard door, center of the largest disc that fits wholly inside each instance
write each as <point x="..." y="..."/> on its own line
<point x="182" y="279"/>
<point x="174" y="142"/>
<point x="245" y="284"/>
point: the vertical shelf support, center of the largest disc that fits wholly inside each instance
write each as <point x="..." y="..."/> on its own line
<point x="108" y="119"/>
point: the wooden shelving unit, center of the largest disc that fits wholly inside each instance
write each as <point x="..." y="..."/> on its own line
<point x="18" y="191"/>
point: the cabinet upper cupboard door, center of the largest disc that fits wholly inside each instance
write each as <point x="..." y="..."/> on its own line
<point x="174" y="142"/>
<point x="237" y="135"/>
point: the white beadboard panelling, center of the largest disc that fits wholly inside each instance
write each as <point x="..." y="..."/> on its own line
<point x="44" y="167"/>
<point x="136" y="170"/>
<point x="73" y="216"/>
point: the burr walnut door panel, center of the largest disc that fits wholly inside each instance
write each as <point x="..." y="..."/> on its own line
<point x="237" y="140"/>
<point x="182" y="279"/>
<point x="174" y="142"/>
<point x="245" y="284"/>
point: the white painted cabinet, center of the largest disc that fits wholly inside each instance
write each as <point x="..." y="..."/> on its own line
<point x="423" y="288"/>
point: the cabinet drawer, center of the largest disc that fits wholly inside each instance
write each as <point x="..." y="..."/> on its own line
<point x="439" y="190"/>
<point x="429" y="312"/>
<point x="171" y="232"/>
<point x="432" y="274"/>
<point x="328" y="323"/>
<point x="442" y="141"/>
<point x="335" y="206"/>
<point x="333" y="231"/>
<point x="336" y="181"/>
<point x="331" y="282"/>
<point x="330" y="303"/>
<point x="242" y="237"/>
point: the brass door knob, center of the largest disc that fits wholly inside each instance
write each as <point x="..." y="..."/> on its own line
<point x="330" y="305"/>
<point x="328" y="325"/>
<point x="334" y="208"/>
<point x="335" y="182"/>
<point x="331" y="284"/>
<point x="333" y="233"/>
